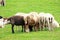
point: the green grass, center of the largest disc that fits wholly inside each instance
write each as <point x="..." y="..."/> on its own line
<point x="14" y="6"/>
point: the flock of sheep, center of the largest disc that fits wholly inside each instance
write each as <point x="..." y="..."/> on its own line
<point x="32" y="21"/>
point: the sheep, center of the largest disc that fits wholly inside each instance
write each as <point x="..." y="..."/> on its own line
<point x="32" y="20"/>
<point x="46" y="20"/>
<point x="26" y="29"/>
<point x="2" y="2"/>
<point x="16" y="20"/>
<point x="55" y="24"/>
<point x="49" y="18"/>
<point x="41" y="20"/>
<point x="19" y="14"/>
<point x="3" y="22"/>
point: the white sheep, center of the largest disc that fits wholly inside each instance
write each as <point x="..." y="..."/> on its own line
<point x="46" y="20"/>
<point x="3" y="22"/>
<point x="41" y="20"/>
<point x="49" y="18"/>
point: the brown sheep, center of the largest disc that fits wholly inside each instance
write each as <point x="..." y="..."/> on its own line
<point x="16" y="20"/>
<point x="33" y="21"/>
<point x="26" y="29"/>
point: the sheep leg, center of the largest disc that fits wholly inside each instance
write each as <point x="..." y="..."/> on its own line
<point x="42" y="27"/>
<point x="37" y="27"/>
<point x="30" y="28"/>
<point x="12" y="28"/>
<point x="26" y="28"/>
<point x="48" y="27"/>
<point x="51" y="27"/>
<point x="22" y="28"/>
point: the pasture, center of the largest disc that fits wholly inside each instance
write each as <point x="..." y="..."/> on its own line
<point x="14" y="6"/>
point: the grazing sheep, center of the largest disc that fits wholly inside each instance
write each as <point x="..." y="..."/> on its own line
<point x="19" y="14"/>
<point x="3" y="22"/>
<point x="49" y="20"/>
<point x="33" y="21"/>
<point x="2" y="2"/>
<point x="26" y="29"/>
<point x="16" y="20"/>
<point x="41" y="20"/>
<point x="46" y="20"/>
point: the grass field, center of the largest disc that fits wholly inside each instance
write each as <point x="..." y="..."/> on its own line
<point x="13" y="6"/>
